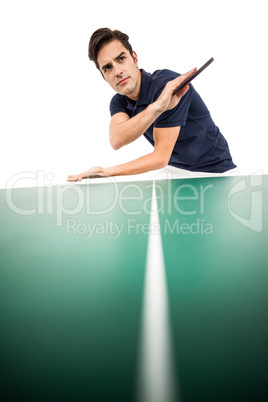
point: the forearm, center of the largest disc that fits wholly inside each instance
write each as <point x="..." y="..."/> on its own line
<point x="128" y="131"/>
<point x="143" y="164"/>
<point x="164" y="143"/>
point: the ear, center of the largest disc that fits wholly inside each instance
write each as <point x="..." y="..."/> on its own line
<point x="135" y="57"/>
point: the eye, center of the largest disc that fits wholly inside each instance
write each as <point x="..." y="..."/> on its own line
<point x="122" y="58"/>
<point x="106" y="68"/>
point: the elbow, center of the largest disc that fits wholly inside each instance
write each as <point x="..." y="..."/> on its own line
<point x="160" y="161"/>
<point x="163" y="163"/>
<point x="115" y="145"/>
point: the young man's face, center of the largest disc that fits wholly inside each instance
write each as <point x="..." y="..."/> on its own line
<point x="120" y="69"/>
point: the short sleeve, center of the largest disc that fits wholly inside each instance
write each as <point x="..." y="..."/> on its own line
<point x="118" y="104"/>
<point x="177" y="116"/>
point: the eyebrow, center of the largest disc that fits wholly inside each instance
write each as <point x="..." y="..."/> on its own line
<point x="120" y="55"/>
<point x="115" y="59"/>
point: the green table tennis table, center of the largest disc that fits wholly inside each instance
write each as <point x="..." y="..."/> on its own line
<point x="73" y="280"/>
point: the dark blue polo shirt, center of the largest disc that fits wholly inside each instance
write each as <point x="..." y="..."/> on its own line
<point x="200" y="145"/>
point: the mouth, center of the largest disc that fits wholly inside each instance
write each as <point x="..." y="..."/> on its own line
<point x="123" y="81"/>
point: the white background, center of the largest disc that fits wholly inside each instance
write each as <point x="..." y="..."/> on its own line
<point x="55" y="105"/>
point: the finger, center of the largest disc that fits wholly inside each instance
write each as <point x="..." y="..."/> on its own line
<point x="179" y="80"/>
<point x="182" y="92"/>
<point x="83" y="175"/>
<point x="72" y="178"/>
<point x="188" y="74"/>
<point x="78" y="177"/>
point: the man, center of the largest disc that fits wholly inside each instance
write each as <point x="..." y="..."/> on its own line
<point x="179" y="126"/>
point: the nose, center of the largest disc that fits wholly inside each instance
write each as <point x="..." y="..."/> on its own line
<point x="117" y="70"/>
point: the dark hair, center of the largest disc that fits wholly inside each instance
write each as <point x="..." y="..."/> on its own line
<point x="102" y="37"/>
